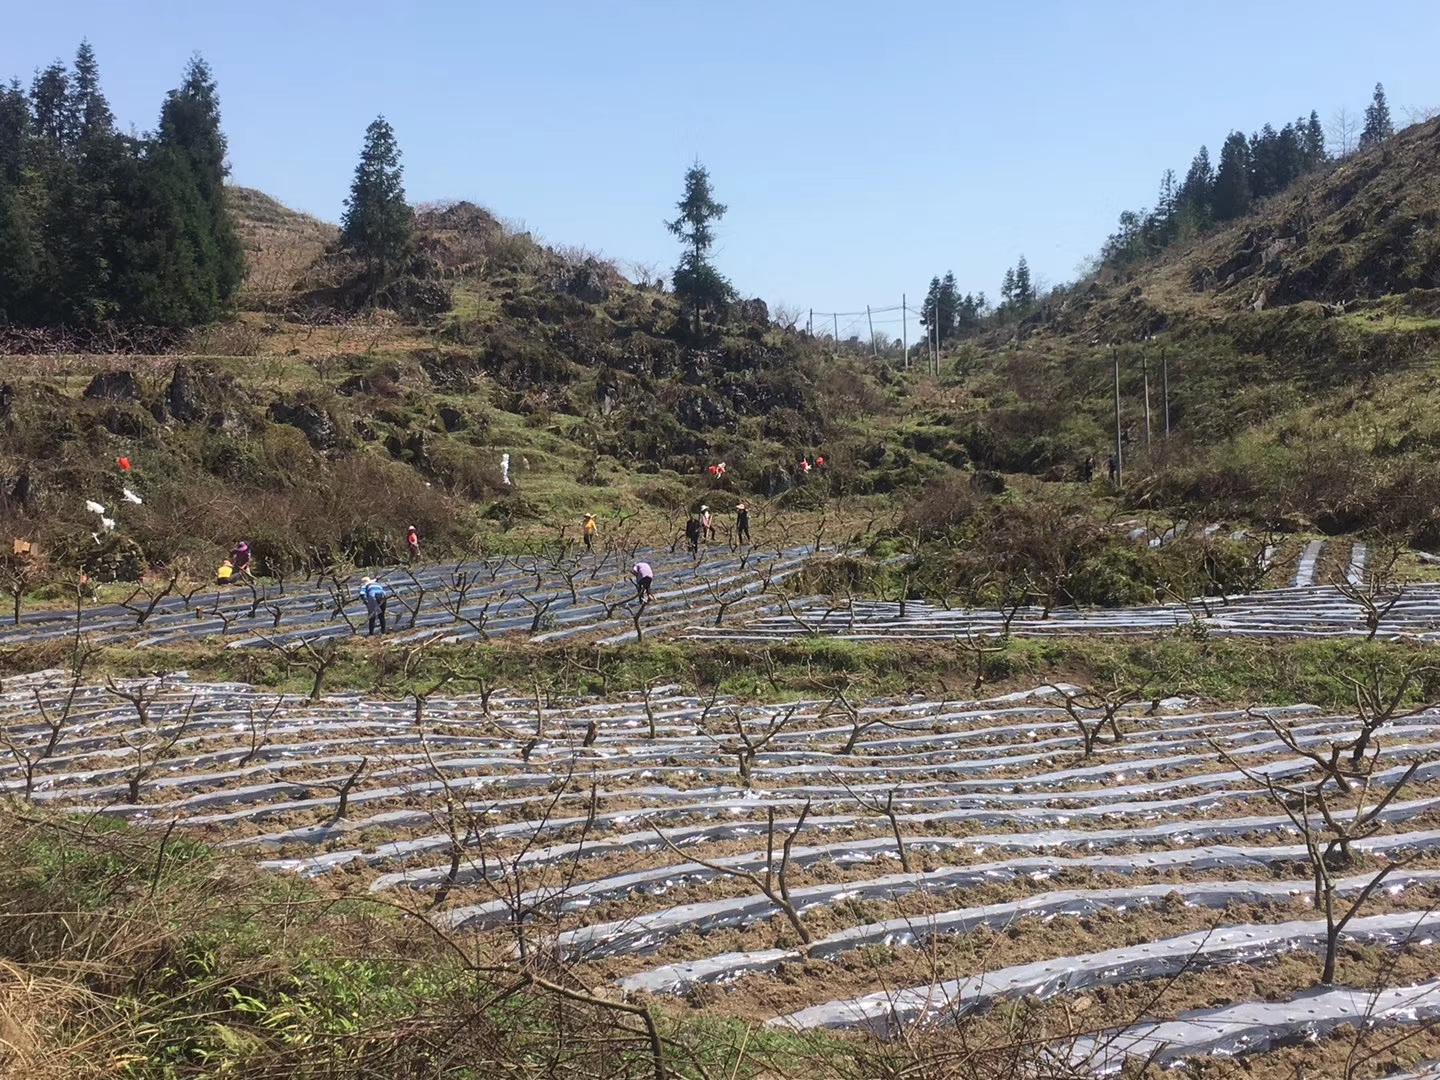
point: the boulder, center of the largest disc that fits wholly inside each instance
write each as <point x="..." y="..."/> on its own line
<point x="183" y="397"/>
<point x="316" y="426"/>
<point x="114" y="386"/>
<point x="587" y="282"/>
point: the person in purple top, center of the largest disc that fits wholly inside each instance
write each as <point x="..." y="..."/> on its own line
<point x="644" y="579"/>
<point x="240" y="557"/>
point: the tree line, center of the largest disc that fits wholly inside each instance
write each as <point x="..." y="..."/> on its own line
<point x="1250" y="168"/>
<point x="98" y="226"/>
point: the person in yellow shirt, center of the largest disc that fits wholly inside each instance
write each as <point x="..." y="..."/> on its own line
<point x="588" y="531"/>
<point x="224" y="572"/>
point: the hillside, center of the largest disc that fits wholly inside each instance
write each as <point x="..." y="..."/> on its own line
<point x="1300" y="347"/>
<point x="280" y="244"/>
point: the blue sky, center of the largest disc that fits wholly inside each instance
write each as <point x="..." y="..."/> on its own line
<point x="861" y="148"/>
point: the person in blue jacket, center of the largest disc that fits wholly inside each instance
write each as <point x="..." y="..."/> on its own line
<point x="374" y="595"/>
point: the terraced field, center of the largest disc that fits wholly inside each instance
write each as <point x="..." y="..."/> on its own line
<point x="886" y="865"/>
<point x="546" y="597"/>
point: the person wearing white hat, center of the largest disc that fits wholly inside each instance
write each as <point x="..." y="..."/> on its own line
<point x="707" y="525"/>
<point x="587" y="530"/>
<point x="742" y="523"/>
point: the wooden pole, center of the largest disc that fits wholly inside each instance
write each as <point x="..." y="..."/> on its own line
<point x="1145" y="373"/>
<point x="874" y="349"/>
<point x="905" y="331"/>
<point x="836" y="329"/>
<point x="1119" y="460"/>
<point x="1165" y="385"/>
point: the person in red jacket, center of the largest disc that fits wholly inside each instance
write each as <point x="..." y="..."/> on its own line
<point x="412" y="542"/>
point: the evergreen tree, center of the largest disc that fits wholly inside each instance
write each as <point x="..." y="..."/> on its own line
<point x="14" y="132"/>
<point x="1164" y="222"/>
<point x="88" y="106"/>
<point x="190" y="128"/>
<point x="85" y="216"/>
<point x="697" y="282"/>
<point x="1378" y="126"/>
<point x="949" y="306"/>
<point x="1007" y="287"/>
<point x="1232" y="179"/>
<point x="1024" y="290"/>
<point x="1314" y="141"/>
<point x="1263" y="174"/>
<point x="929" y="310"/>
<point x="1197" y="191"/>
<point x="377" y="220"/>
<point x="52" y="106"/>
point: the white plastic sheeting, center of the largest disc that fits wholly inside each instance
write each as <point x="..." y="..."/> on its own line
<point x="1045" y="978"/>
<point x="678" y="978"/>
<point x="1253" y="1026"/>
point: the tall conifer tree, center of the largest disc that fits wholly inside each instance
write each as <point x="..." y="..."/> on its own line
<point x="377" y="220"/>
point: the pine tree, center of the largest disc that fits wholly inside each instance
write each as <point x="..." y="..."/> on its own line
<point x="1378" y="126"/>
<point x="1164" y="222"/>
<point x="1007" y="287"/>
<point x="1024" y="290"/>
<point x="190" y="126"/>
<point x="14" y="132"/>
<point x="1197" y="191"/>
<point x="88" y="104"/>
<point x="1232" y="179"/>
<point x="377" y="221"/>
<point x="697" y="282"/>
<point x="1314" y="142"/>
<point x="929" y="310"/>
<point x="949" y="305"/>
<point x="52" y="106"/>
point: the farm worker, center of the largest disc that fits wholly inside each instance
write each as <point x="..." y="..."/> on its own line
<point x="588" y="531"/>
<point x="707" y="526"/>
<point x="742" y="523"/>
<point x="692" y="534"/>
<point x="412" y="542"/>
<point x="1112" y="467"/>
<point x="804" y="466"/>
<point x="373" y="593"/>
<point x="224" y="572"/>
<point x="1087" y="470"/>
<point x="819" y="462"/>
<point x="123" y="463"/>
<point x="644" y="581"/>
<point x="240" y="557"/>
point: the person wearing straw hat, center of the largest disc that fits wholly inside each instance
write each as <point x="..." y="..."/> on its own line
<point x="587" y="530"/>
<point x="707" y="524"/>
<point x="412" y="542"/>
<point x="373" y="593"/>
<point x="742" y="523"/>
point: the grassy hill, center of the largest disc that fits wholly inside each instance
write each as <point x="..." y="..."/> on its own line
<point x="1300" y="346"/>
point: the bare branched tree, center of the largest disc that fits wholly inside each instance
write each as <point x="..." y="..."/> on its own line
<point x="774" y="885"/>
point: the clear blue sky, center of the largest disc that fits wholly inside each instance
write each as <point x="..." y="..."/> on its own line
<point x="861" y="147"/>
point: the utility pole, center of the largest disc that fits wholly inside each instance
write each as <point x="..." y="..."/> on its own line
<point x="1145" y="374"/>
<point x="810" y="326"/>
<point x="1119" y="461"/>
<point x="835" y="315"/>
<point x="874" y="349"/>
<point x="1165" y="384"/>
<point x="905" y="331"/>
